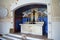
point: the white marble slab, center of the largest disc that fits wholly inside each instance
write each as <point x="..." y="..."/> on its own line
<point x="32" y="28"/>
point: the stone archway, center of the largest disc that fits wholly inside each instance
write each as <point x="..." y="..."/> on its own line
<point x="20" y="3"/>
<point x="18" y="11"/>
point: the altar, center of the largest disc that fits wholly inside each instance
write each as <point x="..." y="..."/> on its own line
<point x="32" y="28"/>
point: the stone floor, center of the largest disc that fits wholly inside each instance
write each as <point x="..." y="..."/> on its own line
<point x="19" y="37"/>
<point x="39" y="37"/>
<point x="34" y="36"/>
<point x="3" y="38"/>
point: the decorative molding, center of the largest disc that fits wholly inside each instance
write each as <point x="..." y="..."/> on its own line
<point x="3" y="12"/>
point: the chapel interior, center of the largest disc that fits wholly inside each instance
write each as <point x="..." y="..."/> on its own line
<point x="29" y="19"/>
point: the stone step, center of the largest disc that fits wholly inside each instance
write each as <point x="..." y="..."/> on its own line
<point x="18" y="37"/>
<point x="11" y="37"/>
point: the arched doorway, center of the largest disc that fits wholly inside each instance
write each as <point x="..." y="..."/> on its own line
<point x="18" y="16"/>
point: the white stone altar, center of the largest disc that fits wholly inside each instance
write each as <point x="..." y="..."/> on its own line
<point x="32" y="28"/>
